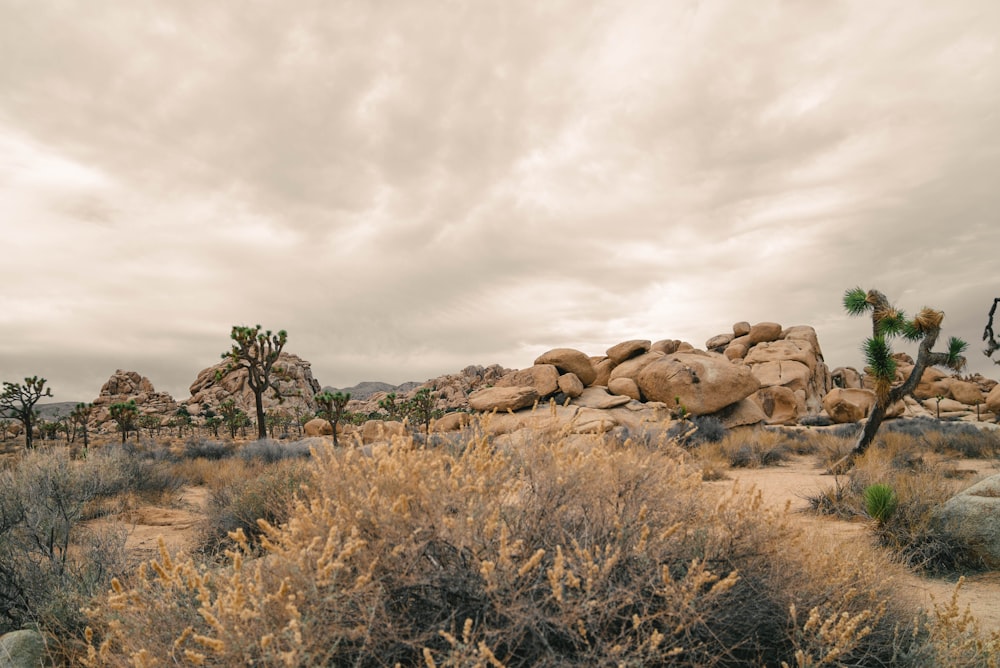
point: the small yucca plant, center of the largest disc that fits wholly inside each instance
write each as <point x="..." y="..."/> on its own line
<point x="880" y="502"/>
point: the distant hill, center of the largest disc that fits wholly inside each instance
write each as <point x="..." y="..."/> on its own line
<point x="55" y="409"/>
<point x="367" y="388"/>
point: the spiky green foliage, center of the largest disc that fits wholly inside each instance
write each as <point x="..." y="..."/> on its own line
<point x="856" y="301"/>
<point x="956" y="347"/>
<point x="878" y="357"/>
<point x="256" y="351"/>
<point x="893" y="323"/>
<point x="19" y="401"/>
<point x="880" y="502"/>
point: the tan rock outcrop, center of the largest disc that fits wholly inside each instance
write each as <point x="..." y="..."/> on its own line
<point x="779" y="404"/>
<point x="965" y="392"/>
<point x="702" y="384"/>
<point x="603" y="369"/>
<point x="291" y="373"/>
<point x="625" y="387"/>
<point x="848" y="404"/>
<point x="993" y="400"/>
<point x="627" y="350"/>
<point x="543" y="377"/>
<point x="125" y="386"/>
<point x="632" y="367"/>
<point x="503" y="398"/>
<point x="719" y="342"/>
<point x="570" y="385"/>
<point x="317" y="427"/>
<point x="568" y="360"/>
<point x="763" y="332"/>
<point x="846" y="377"/>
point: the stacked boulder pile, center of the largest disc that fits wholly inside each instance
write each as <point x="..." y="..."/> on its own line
<point x="125" y="386"/>
<point x="760" y="373"/>
<point x="937" y="394"/>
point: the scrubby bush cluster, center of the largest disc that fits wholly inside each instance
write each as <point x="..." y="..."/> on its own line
<point x="544" y="555"/>
<point x="50" y="564"/>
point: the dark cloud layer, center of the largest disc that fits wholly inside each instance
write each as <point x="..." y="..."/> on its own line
<point x="409" y="188"/>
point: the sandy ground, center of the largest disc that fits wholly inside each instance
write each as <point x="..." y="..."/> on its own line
<point x="800" y="478"/>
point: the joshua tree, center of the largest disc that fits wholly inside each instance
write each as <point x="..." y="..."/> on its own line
<point x="125" y="413"/>
<point x="256" y="351"/>
<point x="232" y="415"/>
<point x="80" y="416"/>
<point x="422" y="408"/>
<point x="18" y="401"/>
<point x="889" y="322"/>
<point x="332" y="408"/>
<point x="991" y="342"/>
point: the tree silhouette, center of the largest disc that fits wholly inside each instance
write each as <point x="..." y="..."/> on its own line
<point x="19" y="402"/>
<point x="332" y="408"/>
<point x="256" y="351"/>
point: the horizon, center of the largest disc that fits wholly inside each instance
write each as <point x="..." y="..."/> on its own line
<point x="408" y="189"/>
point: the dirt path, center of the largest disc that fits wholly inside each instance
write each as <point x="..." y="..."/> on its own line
<point x="177" y="526"/>
<point x="800" y="478"/>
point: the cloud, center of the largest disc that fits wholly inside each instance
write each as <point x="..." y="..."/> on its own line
<point x="411" y="188"/>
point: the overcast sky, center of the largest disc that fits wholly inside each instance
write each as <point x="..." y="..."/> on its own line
<point x="411" y="187"/>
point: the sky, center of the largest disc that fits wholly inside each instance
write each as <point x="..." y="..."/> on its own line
<point x="411" y="187"/>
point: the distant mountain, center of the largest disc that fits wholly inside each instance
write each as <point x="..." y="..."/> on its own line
<point x="55" y="409"/>
<point x="367" y="388"/>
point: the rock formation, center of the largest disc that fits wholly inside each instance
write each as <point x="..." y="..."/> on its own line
<point x="293" y="375"/>
<point x="125" y="386"/>
<point x="972" y="519"/>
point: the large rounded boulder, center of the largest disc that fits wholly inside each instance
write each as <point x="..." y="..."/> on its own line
<point x="701" y="383"/>
<point x="568" y="360"/>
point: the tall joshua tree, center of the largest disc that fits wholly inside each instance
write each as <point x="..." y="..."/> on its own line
<point x="889" y="322"/>
<point x="256" y="351"/>
<point x="332" y="407"/>
<point x="19" y="401"/>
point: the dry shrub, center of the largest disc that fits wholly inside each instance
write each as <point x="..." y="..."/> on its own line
<point x="544" y="555"/>
<point x="241" y="495"/>
<point x="748" y="448"/>
<point x="921" y="483"/>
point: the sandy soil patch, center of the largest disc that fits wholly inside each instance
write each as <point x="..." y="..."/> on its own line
<point x="791" y="484"/>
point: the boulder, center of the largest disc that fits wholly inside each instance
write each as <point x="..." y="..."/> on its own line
<point x="451" y="422"/>
<point x="718" y="342"/>
<point x="702" y="384"/>
<point x="543" y="377"/>
<point x="625" y="387"/>
<point x="627" y="350"/>
<point x="22" y="649"/>
<point x="666" y="346"/>
<point x="374" y="431"/>
<point x="793" y="375"/>
<point x="779" y="404"/>
<point x="763" y="332"/>
<point x="503" y="398"/>
<point x="933" y="383"/>
<point x="598" y="397"/>
<point x="570" y="385"/>
<point x="848" y="404"/>
<point x="603" y="368"/>
<point x="846" y="377"/>
<point x="993" y="400"/>
<point x="945" y="406"/>
<point x="965" y="392"/>
<point x="788" y="350"/>
<point x="568" y="360"/>
<point x="632" y="367"/>
<point x="741" y="328"/>
<point x="741" y="414"/>
<point x="735" y="351"/>
<point x="317" y="427"/>
<point x="125" y="386"/>
<point x="804" y="333"/>
<point x="972" y="518"/>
